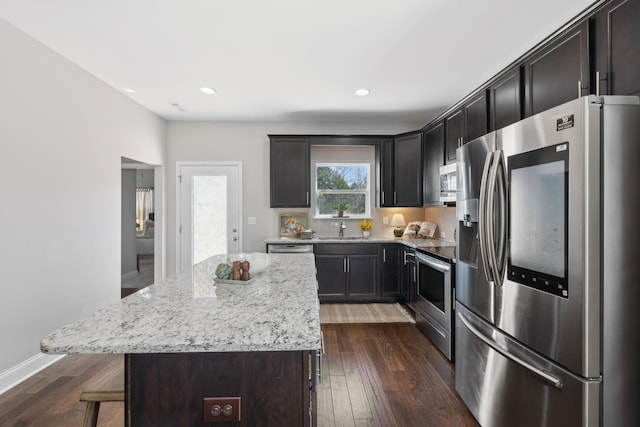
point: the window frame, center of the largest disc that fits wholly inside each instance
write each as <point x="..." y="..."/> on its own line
<point x="366" y="191"/>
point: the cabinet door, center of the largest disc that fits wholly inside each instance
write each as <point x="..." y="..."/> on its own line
<point x="408" y="170"/>
<point x="559" y="72"/>
<point x="290" y="172"/>
<point x="405" y="276"/>
<point x="390" y="274"/>
<point x="505" y="100"/>
<point x="363" y="277"/>
<point x="453" y="133"/>
<point x="617" y="52"/>
<point x="332" y="277"/>
<point x="433" y="158"/>
<point x="386" y="173"/>
<point x="475" y="117"/>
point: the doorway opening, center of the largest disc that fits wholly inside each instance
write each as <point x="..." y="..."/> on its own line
<point x="141" y="263"/>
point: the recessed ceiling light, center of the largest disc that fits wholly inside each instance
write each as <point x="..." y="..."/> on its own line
<point x="363" y="92"/>
<point x="207" y="90"/>
<point x="129" y="90"/>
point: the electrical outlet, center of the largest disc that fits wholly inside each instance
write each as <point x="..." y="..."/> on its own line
<point x="385" y="220"/>
<point x="221" y="409"/>
<point x="443" y="234"/>
<point x="251" y="220"/>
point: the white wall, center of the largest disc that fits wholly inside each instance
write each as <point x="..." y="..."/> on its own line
<point x="63" y="133"/>
<point x="248" y="143"/>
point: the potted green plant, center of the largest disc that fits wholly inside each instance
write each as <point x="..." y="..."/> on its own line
<point x="340" y="208"/>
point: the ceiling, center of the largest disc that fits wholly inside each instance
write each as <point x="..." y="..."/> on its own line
<point x="292" y="60"/>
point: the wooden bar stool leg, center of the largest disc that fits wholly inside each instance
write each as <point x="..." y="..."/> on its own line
<point x="91" y="414"/>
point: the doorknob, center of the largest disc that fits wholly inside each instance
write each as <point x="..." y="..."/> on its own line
<point x="235" y="239"/>
<point x="235" y="231"/>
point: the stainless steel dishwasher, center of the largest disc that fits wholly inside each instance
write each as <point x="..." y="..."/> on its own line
<point x="290" y="248"/>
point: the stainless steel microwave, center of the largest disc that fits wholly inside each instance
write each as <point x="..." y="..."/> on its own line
<point x="448" y="183"/>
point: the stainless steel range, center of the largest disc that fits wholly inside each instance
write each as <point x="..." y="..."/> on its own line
<point x="434" y="298"/>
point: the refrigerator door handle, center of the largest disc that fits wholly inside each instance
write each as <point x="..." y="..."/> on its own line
<point x="546" y="376"/>
<point x="482" y="218"/>
<point x="498" y="248"/>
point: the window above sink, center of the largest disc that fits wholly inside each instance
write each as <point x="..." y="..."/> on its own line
<point x="342" y="187"/>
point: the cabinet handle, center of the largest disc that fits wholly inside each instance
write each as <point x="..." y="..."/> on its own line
<point x="415" y="275"/>
<point x="344" y="264"/>
<point x="384" y="254"/>
<point x="597" y="83"/>
<point x="395" y="198"/>
<point x="348" y="265"/>
<point x="307" y="197"/>
<point x="383" y="197"/>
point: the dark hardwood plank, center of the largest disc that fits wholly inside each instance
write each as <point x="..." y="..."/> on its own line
<point x="51" y="397"/>
<point x="374" y="375"/>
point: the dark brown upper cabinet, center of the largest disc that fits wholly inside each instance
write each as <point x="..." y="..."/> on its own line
<point x="401" y="171"/>
<point x="386" y="173"/>
<point x="505" y="99"/>
<point x="290" y="175"/>
<point x="475" y="117"/>
<point x="433" y="158"/>
<point x="408" y="170"/>
<point x="465" y="124"/>
<point x="453" y="133"/>
<point x="559" y="71"/>
<point x="617" y="49"/>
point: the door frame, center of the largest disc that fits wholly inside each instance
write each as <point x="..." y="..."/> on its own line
<point x="179" y="165"/>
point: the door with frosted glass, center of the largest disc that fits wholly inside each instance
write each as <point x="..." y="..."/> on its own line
<point x="209" y="206"/>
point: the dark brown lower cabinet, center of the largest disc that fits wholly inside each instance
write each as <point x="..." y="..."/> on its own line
<point x="347" y="272"/>
<point x="168" y="389"/>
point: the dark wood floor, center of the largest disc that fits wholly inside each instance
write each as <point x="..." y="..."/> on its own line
<point x="386" y="375"/>
<point x="374" y="375"/>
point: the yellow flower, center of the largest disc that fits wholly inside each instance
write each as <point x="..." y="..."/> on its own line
<point x="366" y="225"/>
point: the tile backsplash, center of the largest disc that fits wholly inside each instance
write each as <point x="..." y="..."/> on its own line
<point x="446" y="220"/>
<point x="444" y="217"/>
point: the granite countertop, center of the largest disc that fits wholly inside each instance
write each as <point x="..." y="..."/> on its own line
<point x="278" y="311"/>
<point x="444" y="248"/>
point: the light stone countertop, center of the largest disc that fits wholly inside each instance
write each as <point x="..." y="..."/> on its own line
<point x="412" y="242"/>
<point x="278" y="311"/>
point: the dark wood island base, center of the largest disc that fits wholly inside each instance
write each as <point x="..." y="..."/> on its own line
<point x="168" y="389"/>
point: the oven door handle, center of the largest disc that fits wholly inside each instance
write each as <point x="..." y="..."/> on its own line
<point x="546" y="376"/>
<point x="441" y="267"/>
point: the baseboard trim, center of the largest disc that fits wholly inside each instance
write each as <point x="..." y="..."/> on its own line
<point x="14" y="376"/>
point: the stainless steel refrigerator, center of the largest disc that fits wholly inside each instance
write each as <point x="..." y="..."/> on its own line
<point x="548" y="271"/>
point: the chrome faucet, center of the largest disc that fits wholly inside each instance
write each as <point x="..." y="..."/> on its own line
<point x="342" y="227"/>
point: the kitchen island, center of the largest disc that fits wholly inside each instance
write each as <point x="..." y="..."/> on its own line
<point x="187" y="340"/>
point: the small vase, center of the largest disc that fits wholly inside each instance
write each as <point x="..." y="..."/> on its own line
<point x="365" y="234"/>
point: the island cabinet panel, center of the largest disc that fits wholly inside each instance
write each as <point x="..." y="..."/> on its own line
<point x="169" y="389"/>
<point x="617" y="48"/>
<point x="558" y="72"/>
<point x="290" y="174"/>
